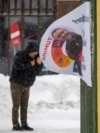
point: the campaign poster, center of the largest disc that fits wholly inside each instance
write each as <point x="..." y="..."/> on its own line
<point x="65" y="46"/>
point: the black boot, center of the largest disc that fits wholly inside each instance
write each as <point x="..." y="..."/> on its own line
<point x="26" y="127"/>
<point x="17" y="127"/>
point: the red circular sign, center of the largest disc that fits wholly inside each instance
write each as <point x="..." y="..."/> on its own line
<point x="15" y="34"/>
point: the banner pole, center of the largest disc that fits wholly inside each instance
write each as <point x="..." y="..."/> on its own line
<point x="89" y="95"/>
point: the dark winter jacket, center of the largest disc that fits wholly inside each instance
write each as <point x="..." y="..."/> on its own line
<point x="74" y="46"/>
<point x="22" y="71"/>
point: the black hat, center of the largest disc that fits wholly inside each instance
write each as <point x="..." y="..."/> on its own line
<point x="32" y="46"/>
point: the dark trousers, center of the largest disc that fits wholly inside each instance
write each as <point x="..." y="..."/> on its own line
<point x="20" y="97"/>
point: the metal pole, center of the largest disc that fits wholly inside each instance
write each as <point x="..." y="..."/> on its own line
<point x="89" y="95"/>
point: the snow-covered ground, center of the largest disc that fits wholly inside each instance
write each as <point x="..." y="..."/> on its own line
<point x="54" y="104"/>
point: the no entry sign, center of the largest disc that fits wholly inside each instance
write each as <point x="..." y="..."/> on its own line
<point x="15" y="34"/>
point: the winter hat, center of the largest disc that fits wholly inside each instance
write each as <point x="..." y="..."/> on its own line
<point x="32" y="46"/>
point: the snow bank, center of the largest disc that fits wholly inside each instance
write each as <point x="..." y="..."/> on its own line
<point x="49" y="92"/>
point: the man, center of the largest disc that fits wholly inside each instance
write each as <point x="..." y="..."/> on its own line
<point x="73" y="46"/>
<point x="26" y="66"/>
<point x="61" y="34"/>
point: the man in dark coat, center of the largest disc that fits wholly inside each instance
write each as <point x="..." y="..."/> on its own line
<point x="27" y="64"/>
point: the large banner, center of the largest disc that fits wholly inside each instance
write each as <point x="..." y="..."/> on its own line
<point x="65" y="46"/>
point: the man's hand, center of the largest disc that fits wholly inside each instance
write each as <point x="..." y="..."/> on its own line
<point x="38" y="61"/>
<point x="33" y="62"/>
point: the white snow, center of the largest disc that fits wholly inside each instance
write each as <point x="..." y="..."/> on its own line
<point x="54" y="104"/>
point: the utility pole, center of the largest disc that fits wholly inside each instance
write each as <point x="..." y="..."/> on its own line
<point x="88" y="100"/>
